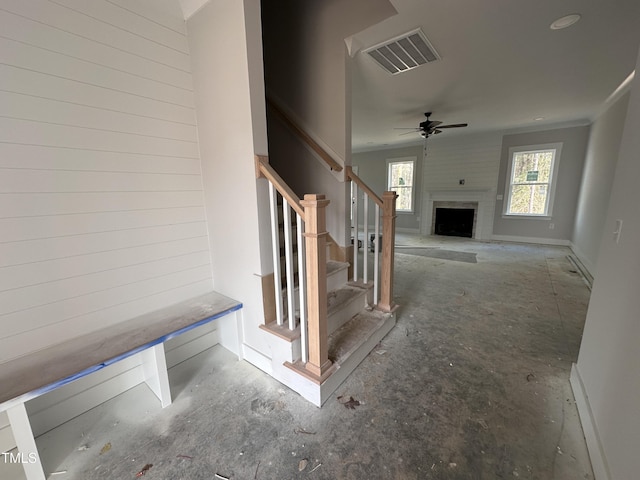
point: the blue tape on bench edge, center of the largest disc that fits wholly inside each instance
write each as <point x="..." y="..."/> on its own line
<point x="111" y="361"/>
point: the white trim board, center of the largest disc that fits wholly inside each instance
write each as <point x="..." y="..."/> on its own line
<point x="588" y="265"/>
<point x="536" y="240"/>
<point x="589" y="428"/>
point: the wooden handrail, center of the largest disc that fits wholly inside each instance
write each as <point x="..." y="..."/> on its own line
<point x="305" y="137"/>
<point x="372" y="195"/>
<point x="263" y="169"/>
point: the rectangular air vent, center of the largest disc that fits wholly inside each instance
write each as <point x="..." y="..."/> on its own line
<point x="404" y="52"/>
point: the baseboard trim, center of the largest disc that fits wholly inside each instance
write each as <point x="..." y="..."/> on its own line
<point x="586" y="263"/>
<point x="535" y="240"/>
<point x="589" y="428"/>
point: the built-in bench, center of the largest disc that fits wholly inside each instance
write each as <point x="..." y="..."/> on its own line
<point x="35" y="374"/>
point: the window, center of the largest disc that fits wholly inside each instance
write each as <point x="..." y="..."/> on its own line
<point x="530" y="185"/>
<point x="400" y="180"/>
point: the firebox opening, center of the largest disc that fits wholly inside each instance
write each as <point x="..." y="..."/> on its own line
<point x="455" y="222"/>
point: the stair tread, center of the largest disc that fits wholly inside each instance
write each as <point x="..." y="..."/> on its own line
<point x="339" y="297"/>
<point x="350" y="336"/>
<point x="335" y="266"/>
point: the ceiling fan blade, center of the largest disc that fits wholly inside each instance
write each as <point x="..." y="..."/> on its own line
<point x="434" y="123"/>
<point x="436" y="132"/>
<point x="455" y="125"/>
<point x="407" y="133"/>
<point x="406" y="128"/>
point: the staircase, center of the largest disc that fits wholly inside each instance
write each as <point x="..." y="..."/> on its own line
<point x="324" y="323"/>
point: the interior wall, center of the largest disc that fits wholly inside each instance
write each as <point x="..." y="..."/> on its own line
<point x="559" y="228"/>
<point x="232" y="130"/>
<point x="609" y="385"/>
<point x="372" y="169"/>
<point x="306" y="71"/>
<point x="102" y="215"/>
<point x="595" y="190"/>
<point x="472" y="158"/>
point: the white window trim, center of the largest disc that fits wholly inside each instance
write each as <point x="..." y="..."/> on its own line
<point x="552" y="180"/>
<point x="413" y="160"/>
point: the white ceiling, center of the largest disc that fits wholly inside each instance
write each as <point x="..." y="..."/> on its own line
<point x="501" y="66"/>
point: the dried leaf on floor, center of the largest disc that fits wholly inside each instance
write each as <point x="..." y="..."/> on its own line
<point x="144" y="470"/>
<point x="302" y="464"/>
<point x="351" y="403"/>
<point x="106" y="448"/>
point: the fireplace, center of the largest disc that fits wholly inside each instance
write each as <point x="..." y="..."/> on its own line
<point x="457" y="219"/>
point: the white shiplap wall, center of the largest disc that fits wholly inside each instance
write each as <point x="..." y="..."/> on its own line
<point x="101" y="204"/>
<point x="474" y="158"/>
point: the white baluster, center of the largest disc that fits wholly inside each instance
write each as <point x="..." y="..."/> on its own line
<point x="376" y="256"/>
<point x="288" y="262"/>
<point x="302" y="289"/>
<point x="275" y="239"/>
<point x="365" y="253"/>
<point x="355" y="232"/>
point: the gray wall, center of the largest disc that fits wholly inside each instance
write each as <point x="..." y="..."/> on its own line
<point x="607" y="377"/>
<point x="599" y="169"/>
<point x="307" y="73"/>
<point x="373" y="171"/>
<point x="569" y="176"/>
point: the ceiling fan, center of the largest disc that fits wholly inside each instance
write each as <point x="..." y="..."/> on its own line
<point x="431" y="127"/>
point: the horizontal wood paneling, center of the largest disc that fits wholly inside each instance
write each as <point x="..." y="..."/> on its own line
<point x="94" y="30"/>
<point x="26" y="81"/>
<point x="27" y="107"/>
<point x="45" y="204"/>
<point x="37" y="59"/>
<point x="18" y="180"/>
<point x="37" y="35"/>
<point x="38" y="157"/>
<point x="17" y="229"/>
<point x="40" y="250"/>
<point x="475" y="159"/>
<point x="175" y="23"/>
<point x="53" y="135"/>
<point x="101" y="204"/>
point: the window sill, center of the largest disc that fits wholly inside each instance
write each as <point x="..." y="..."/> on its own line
<point x="526" y="217"/>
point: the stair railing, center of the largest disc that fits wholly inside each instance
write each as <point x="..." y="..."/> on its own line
<point x="385" y="209"/>
<point x="312" y="268"/>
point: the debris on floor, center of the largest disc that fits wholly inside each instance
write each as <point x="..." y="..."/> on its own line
<point x="302" y="464"/>
<point x="530" y="377"/>
<point x="144" y="470"/>
<point x="302" y="430"/>
<point x="106" y="448"/>
<point x="185" y="456"/>
<point x="221" y="477"/>
<point x="351" y="403"/>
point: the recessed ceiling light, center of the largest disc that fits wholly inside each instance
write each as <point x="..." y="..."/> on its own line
<point x="564" y="22"/>
<point x="537" y="119"/>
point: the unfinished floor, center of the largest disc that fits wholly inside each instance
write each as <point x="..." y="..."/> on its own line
<point x="472" y="383"/>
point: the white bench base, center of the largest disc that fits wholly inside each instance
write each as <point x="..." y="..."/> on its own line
<point x="62" y="364"/>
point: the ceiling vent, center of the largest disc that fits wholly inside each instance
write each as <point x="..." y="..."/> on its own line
<point x="404" y="52"/>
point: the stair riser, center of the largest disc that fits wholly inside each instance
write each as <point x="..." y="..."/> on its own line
<point x="335" y="280"/>
<point x="346" y="311"/>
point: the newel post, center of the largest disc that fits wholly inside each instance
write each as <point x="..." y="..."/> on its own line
<point x="318" y="364"/>
<point x="388" y="241"/>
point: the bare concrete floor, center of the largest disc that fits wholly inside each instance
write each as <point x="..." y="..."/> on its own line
<point x="472" y="383"/>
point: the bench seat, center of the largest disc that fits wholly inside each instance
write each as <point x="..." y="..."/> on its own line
<point x="37" y="373"/>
